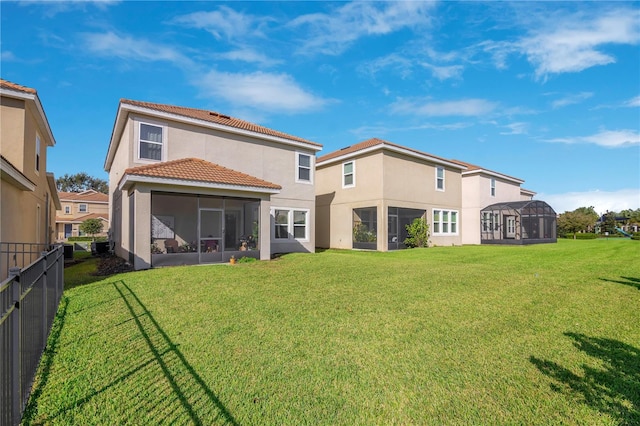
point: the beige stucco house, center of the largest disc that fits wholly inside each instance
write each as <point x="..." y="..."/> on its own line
<point x="76" y="207"/>
<point x="29" y="197"/>
<point x="194" y="186"/>
<point x="367" y="193"/>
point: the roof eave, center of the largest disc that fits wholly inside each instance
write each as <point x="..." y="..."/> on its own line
<point x="494" y="174"/>
<point x="13" y="175"/>
<point x="35" y="99"/>
<point x="128" y="180"/>
<point x="392" y="148"/>
<point x="51" y="180"/>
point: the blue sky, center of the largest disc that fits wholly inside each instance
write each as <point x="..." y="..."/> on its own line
<point x="547" y="92"/>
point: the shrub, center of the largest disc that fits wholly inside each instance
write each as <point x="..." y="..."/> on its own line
<point x="418" y="232"/>
<point x="247" y="259"/>
<point x="86" y="238"/>
<point x="586" y="236"/>
<point x="635" y="236"/>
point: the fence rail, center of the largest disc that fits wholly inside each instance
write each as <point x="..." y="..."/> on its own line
<point x="29" y="299"/>
<point x="19" y="255"/>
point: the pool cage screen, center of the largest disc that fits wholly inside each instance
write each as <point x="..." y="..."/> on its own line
<point x="518" y="222"/>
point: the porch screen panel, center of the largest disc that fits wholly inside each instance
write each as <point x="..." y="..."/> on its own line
<point x="365" y="228"/>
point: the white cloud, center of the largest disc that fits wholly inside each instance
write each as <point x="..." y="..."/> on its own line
<point x="364" y="132"/>
<point x="463" y="107"/>
<point x="259" y="90"/>
<point x="400" y="64"/>
<point x="516" y="129"/>
<point x="251" y="56"/>
<point x="332" y="33"/>
<point x="7" y="56"/>
<point x="444" y="72"/>
<point x="127" y="47"/>
<point x="575" y="43"/>
<point x="633" y="102"/>
<point x="606" y="138"/>
<point x="571" y="99"/>
<point x="224" y="23"/>
<point x="602" y="201"/>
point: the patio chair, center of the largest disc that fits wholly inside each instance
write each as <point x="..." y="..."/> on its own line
<point x="171" y="245"/>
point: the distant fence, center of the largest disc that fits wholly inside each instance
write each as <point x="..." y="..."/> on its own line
<point x="29" y="300"/>
<point x="19" y="255"/>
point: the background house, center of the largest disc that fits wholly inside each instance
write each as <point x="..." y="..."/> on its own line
<point x="29" y="196"/>
<point x="195" y="186"/>
<point x="367" y="193"/>
<point x="76" y="207"/>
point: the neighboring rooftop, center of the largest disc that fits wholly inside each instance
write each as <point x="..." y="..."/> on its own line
<point x="5" y="84"/>
<point x="87" y="196"/>
<point x="375" y="143"/>
<point x="197" y="170"/>
<point x="217" y="118"/>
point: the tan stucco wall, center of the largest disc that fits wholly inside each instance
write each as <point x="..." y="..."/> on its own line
<point x="383" y="180"/>
<point x="476" y="195"/>
<point x="18" y="129"/>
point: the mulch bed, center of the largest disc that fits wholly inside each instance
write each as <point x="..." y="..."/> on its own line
<point x="109" y="265"/>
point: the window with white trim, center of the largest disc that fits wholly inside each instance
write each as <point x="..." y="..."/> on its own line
<point x="67" y="209"/>
<point x="303" y="167"/>
<point x="445" y="222"/>
<point x="493" y="187"/>
<point x="83" y="208"/>
<point x="150" y="142"/>
<point x="440" y="178"/>
<point x="38" y="143"/>
<point x="349" y="174"/>
<point x="290" y="224"/>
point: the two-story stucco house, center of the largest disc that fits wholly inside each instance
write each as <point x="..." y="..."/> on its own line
<point x="368" y="192"/>
<point x="76" y="207"/>
<point x="192" y="186"/>
<point x="29" y="195"/>
<point x="499" y="211"/>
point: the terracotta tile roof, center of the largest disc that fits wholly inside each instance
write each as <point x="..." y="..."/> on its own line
<point x="215" y="117"/>
<point x="13" y="86"/>
<point x="81" y="219"/>
<point x="472" y="167"/>
<point x="195" y="169"/>
<point x="371" y="143"/>
<point x="87" y="196"/>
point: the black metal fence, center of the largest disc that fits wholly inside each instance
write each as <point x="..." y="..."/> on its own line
<point x="19" y="255"/>
<point x="29" y="300"/>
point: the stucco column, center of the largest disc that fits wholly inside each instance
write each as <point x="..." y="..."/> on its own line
<point x="142" y="258"/>
<point x="265" y="228"/>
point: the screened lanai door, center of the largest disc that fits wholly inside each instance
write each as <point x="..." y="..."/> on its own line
<point x="211" y="235"/>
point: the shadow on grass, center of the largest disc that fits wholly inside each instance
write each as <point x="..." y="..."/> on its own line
<point x="160" y="385"/>
<point x="46" y="361"/>
<point x="630" y="281"/>
<point x="613" y="389"/>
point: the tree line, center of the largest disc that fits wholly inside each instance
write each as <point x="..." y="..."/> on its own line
<point x="584" y="219"/>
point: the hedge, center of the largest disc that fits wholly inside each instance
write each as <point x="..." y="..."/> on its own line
<point x="86" y="238"/>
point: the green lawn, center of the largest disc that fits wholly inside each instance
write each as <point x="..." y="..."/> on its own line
<point x="545" y="334"/>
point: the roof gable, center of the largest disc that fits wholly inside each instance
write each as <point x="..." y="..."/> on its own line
<point x="473" y="169"/>
<point x="197" y="170"/>
<point x="375" y="144"/>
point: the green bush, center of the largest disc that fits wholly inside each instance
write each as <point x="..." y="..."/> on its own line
<point x="635" y="236"/>
<point x="418" y="233"/>
<point x="86" y="238"/>
<point x="247" y="259"/>
<point x="581" y="236"/>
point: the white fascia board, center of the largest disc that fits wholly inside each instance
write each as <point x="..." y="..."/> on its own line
<point x="130" y="179"/>
<point x="494" y="174"/>
<point x="51" y="180"/>
<point x="221" y="127"/>
<point x="399" y="150"/>
<point x="36" y="101"/>
<point x="118" y="126"/>
<point x="11" y="174"/>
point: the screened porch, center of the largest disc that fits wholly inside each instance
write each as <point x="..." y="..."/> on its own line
<point x="518" y="222"/>
<point x="194" y="229"/>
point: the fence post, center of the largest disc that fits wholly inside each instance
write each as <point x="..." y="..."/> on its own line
<point x="16" y="410"/>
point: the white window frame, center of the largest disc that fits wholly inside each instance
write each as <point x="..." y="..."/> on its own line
<point x="310" y="167"/>
<point x="438" y="168"/>
<point x="492" y="187"/>
<point x="291" y="225"/>
<point x="86" y="208"/>
<point x="449" y="222"/>
<point x="353" y="173"/>
<point x="163" y="148"/>
<point x="67" y="209"/>
<point x="38" y="157"/>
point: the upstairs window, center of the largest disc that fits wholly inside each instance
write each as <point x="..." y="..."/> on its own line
<point x="82" y="208"/>
<point x="440" y="178"/>
<point x="150" y="142"/>
<point x="304" y="168"/>
<point x="348" y="174"/>
<point x="67" y="209"/>
<point x="493" y="187"/>
<point x="37" y="153"/>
